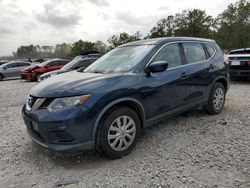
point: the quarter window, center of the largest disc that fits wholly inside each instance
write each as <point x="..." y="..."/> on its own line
<point x="171" y="54"/>
<point x="194" y="52"/>
<point x="210" y="49"/>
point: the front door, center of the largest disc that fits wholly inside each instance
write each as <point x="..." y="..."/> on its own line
<point x="166" y="91"/>
<point x="11" y="70"/>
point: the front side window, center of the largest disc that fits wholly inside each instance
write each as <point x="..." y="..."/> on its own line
<point x="171" y="54"/>
<point x="194" y="52"/>
<point x="121" y="59"/>
<point x="11" y="65"/>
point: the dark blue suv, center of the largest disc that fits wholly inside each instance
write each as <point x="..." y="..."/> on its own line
<point x="128" y="89"/>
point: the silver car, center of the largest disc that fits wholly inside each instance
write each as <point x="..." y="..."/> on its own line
<point x="12" y="69"/>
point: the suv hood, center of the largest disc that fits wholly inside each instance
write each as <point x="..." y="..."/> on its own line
<point x="71" y="84"/>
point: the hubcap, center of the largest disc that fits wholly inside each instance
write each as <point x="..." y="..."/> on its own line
<point x="121" y="133"/>
<point x="218" y="98"/>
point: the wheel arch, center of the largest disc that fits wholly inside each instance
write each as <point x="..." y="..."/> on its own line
<point x="129" y="102"/>
<point x="223" y="81"/>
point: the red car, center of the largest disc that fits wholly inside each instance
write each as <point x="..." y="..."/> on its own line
<point x="33" y="72"/>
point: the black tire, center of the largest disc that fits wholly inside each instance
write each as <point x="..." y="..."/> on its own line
<point x="38" y="76"/>
<point x="233" y="78"/>
<point x="211" y="106"/>
<point x="1" y="77"/>
<point x="104" y="130"/>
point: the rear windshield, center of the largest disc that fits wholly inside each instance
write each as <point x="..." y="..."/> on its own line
<point x="247" y="51"/>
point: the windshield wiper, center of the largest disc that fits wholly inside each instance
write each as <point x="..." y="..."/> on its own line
<point x="99" y="72"/>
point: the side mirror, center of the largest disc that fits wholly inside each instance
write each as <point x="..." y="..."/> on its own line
<point x="157" y="66"/>
<point x="4" y="68"/>
<point x="46" y="66"/>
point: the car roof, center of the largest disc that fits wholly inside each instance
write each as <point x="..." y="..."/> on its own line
<point x="156" y="41"/>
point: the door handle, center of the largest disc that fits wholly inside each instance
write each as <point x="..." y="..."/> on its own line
<point x="184" y="75"/>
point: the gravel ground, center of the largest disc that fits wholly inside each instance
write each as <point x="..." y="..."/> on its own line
<point x="190" y="150"/>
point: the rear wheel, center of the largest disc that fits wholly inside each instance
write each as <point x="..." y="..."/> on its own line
<point x="216" y="99"/>
<point x="119" y="132"/>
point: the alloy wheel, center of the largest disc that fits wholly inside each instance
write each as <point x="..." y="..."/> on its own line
<point x="219" y="98"/>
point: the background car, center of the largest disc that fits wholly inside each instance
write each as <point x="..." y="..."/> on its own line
<point x="3" y="62"/>
<point x="33" y="72"/>
<point x="239" y="63"/>
<point x="76" y="63"/>
<point x="12" y="69"/>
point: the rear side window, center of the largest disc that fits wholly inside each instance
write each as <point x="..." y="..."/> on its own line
<point x="171" y="54"/>
<point x="23" y="64"/>
<point x="53" y="63"/>
<point x="84" y="63"/>
<point x="194" y="52"/>
<point x="210" y="50"/>
<point x="62" y="63"/>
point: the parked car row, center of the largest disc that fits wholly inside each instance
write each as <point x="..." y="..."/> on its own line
<point x="32" y="73"/>
<point x="79" y="62"/>
<point x="38" y="72"/>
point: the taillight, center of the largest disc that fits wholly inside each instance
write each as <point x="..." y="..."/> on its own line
<point x="248" y="63"/>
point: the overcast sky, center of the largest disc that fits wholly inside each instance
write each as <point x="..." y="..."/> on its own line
<point x="48" y="22"/>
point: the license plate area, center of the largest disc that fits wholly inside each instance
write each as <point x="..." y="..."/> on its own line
<point x="235" y="63"/>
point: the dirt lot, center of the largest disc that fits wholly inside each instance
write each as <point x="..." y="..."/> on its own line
<point x="190" y="150"/>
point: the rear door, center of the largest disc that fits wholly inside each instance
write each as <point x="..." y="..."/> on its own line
<point x="21" y="66"/>
<point x="200" y="70"/>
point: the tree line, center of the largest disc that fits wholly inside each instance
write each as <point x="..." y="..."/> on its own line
<point x="230" y="29"/>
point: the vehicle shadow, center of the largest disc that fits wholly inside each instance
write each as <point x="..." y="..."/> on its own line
<point x="241" y="81"/>
<point x="94" y="160"/>
<point x="10" y="79"/>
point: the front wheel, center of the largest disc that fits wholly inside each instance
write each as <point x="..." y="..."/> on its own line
<point x="216" y="99"/>
<point x="1" y="77"/>
<point x="118" y="132"/>
<point x="38" y="76"/>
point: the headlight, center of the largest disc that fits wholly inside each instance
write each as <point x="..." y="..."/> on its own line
<point x="60" y="104"/>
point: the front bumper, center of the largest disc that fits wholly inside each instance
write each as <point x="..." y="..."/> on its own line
<point x="27" y="76"/>
<point x="239" y="73"/>
<point x="65" y="131"/>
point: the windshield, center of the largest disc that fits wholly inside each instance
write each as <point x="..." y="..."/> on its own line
<point x="121" y="59"/>
<point x="70" y="65"/>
